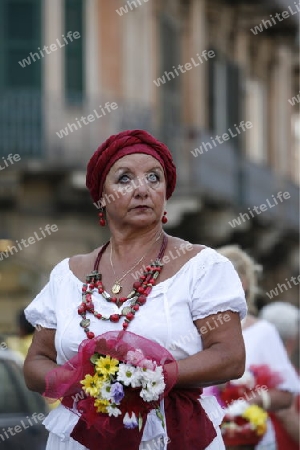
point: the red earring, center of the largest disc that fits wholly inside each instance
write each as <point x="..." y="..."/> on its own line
<point x="164" y="217"/>
<point x="102" y="221"/>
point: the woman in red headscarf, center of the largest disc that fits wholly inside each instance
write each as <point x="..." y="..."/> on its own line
<point x="185" y="297"/>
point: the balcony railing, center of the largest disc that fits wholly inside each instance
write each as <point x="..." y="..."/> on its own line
<point x="30" y="125"/>
<point x="50" y="129"/>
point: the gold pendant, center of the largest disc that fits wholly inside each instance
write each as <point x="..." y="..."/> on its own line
<point x="116" y="288"/>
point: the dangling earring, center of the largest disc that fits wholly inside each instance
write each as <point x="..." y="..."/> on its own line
<point x="102" y="221"/>
<point x="164" y="217"/>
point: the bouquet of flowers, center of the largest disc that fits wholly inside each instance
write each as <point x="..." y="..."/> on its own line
<point x="113" y="382"/>
<point x="116" y="384"/>
<point x="245" y="424"/>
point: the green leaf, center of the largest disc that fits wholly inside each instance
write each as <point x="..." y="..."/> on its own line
<point x="94" y="358"/>
<point x="160" y="416"/>
<point x="140" y="422"/>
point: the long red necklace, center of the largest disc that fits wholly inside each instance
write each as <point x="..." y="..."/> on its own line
<point x="138" y="296"/>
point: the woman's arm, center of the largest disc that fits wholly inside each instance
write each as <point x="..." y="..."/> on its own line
<point x="290" y="421"/>
<point x="223" y="354"/>
<point x="40" y="359"/>
<point x="278" y="399"/>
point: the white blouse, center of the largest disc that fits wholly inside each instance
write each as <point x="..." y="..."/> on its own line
<point x="204" y="285"/>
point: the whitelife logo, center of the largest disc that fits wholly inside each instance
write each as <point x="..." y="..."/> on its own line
<point x="265" y="24"/>
<point x="225" y="136"/>
<point x="86" y="120"/>
<point x="184" y="68"/>
<point x="53" y="47"/>
<point x="286" y="286"/>
<point x="9" y="160"/>
<point x="11" y="431"/>
<point x="30" y="241"/>
<point x="256" y="210"/>
<point x="132" y="5"/>
<point x="294" y="100"/>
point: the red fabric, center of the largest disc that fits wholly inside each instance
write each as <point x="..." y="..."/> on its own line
<point x="283" y="439"/>
<point x="122" y="144"/>
<point x="188" y="426"/>
<point x="263" y="375"/>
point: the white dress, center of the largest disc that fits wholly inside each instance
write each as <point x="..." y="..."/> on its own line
<point x="205" y="285"/>
<point x="264" y="346"/>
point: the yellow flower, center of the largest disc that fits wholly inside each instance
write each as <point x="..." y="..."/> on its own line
<point x="106" y="366"/>
<point x="101" y="405"/>
<point x="91" y="385"/>
<point x="261" y="429"/>
<point x="257" y="417"/>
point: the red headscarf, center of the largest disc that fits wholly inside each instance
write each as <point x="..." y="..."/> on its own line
<point x="122" y="144"/>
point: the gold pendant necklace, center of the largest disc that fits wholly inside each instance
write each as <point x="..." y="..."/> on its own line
<point x="117" y="287"/>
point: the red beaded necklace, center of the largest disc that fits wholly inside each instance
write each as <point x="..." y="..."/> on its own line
<point x="138" y="296"/>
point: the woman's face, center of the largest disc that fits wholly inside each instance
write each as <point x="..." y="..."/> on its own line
<point x="134" y="191"/>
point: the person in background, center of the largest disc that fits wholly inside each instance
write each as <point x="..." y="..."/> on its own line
<point x="285" y="317"/>
<point x="22" y="341"/>
<point x="263" y="344"/>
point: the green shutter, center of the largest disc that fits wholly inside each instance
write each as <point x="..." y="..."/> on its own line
<point x="74" y="81"/>
<point x="20" y="87"/>
<point x="20" y="35"/>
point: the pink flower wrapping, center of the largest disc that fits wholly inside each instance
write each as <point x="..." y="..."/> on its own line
<point x="96" y="429"/>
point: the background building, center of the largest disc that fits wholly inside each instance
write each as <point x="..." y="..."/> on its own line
<point x="99" y="53"/>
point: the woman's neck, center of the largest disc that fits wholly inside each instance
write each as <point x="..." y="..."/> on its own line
<point x="124" y="243"/>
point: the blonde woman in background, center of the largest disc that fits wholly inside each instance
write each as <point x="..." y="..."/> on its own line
<point x="263" y="344"/>
<point x="285" y="317"/>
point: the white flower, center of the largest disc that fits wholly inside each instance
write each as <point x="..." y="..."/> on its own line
<point x="129" y="375"/>
<point x="113" y="411"/>
<point x="130" y="422"/>
<point x="148" y="396"/>
<point x="247" y="379"/>
<point x="153" y="384"/>
<point x="236" y="408"/>
<point x="105" y="391"/>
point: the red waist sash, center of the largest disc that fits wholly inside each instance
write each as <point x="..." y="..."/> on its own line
<point x="188" y="427"/>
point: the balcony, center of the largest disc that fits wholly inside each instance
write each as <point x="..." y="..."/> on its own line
<point x="214" y="172"/>
<point x="262" y="185"/>
<point x="30" y="125"/>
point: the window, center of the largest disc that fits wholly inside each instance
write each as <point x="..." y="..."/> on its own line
<point x="225" y="96"/>
<point x="20" y="35"/>
<point x="256" y="139"/>
<point x="74" y="80"/>
<point x="170" y="100"/>
<point x="20" y="77"/>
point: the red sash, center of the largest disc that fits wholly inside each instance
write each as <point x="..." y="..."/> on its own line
<point x="188" y="427"/>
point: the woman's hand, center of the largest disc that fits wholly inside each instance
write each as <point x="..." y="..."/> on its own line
<point x="40" y="359"/>
<point x="278" y="399"/>
<point x="290" y="420"/>
<point x="223" y="355"/>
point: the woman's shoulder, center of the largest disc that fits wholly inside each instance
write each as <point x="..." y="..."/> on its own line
<point x="72" y="264"/>
<point x="82" y="264"/>
<point x="195" y="257"/>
